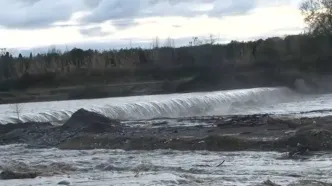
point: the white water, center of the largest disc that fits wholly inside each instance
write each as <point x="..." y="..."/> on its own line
<point x="163" y="167"/>
<point x="245" y="101"/>
<point x="116" y="167"/>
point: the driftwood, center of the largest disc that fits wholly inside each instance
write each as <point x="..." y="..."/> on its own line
<point x="220" y="163"/>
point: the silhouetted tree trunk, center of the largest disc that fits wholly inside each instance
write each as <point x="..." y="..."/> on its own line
<point x="8" y="66"/>
<point x="142" y="57"/>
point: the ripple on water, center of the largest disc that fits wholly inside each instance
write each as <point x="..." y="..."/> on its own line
<point x="160" y="167"/>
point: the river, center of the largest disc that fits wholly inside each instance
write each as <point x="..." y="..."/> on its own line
<point x="168" y="167"/>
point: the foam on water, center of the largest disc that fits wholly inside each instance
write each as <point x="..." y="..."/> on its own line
<point x="156" y="106"/>
<point x="163" y="167"/>
<point x="279" y="100"/>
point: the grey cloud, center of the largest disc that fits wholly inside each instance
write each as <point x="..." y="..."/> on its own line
<point x="36" y="13"/>
<point x="94" y="31"/>
<point x="235" y="7"/>
<point x="28" y="2"/>
<point x="114" y="9"/>
<point x="124" y="23"/>
<point x="129" y="10"/>
<point x="173" y="2"/>
<point x="91" y="3"/>
<point x="121" y="13"/>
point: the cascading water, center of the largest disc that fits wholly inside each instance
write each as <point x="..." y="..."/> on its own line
<point x="155" y="106"/>
<point x="213" y="103"/>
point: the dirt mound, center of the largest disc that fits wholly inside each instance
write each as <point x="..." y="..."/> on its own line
<point x="83" y="120"/>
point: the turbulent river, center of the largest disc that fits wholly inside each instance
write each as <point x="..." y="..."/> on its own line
<point x="162" y="167"/>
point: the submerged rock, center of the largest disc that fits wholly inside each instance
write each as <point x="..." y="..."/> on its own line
<point x="90" y="122"/>
<point x="268" y="183"/>
<point x="8" y="175"/>
<point x="64" y="182"/>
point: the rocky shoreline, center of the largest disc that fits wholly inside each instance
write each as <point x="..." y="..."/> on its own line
<point x="88" y="130"/>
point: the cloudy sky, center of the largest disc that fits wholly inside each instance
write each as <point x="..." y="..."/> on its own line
<point x="26" y="24"/>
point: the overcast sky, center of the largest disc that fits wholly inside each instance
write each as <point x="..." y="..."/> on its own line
<point x="99" y="24"/>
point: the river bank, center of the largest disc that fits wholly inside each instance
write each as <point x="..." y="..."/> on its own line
<point x="88" y="130"/>
<point x="226" y="79"/>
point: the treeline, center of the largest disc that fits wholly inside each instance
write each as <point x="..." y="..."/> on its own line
<point x="301" y="52"/>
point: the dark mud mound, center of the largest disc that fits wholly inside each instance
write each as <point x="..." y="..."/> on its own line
<point x="8" y="175"/>
<point x="23" y="132"/>
<point x="28" y="126"/>
<point x="268" y="183"/>
<point x="228" y="143"/>
<point x="314" y="139"/>
<point x="245" y="120"/>
<point x="41" y="135"/>
<point x="212" y="143"/>
<point x="83" y="120"/>
<point x="89" y="130"/>
<point x="256" y="120"/>
<point x="21" y="170"/>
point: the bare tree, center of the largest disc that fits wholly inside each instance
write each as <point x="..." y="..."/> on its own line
<point x="169" y="42"/>
<point x="155" y="43"/>
<point x="212" y="39"/>
<point x="318" y="16"/>
<point x="17" y="109"/>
